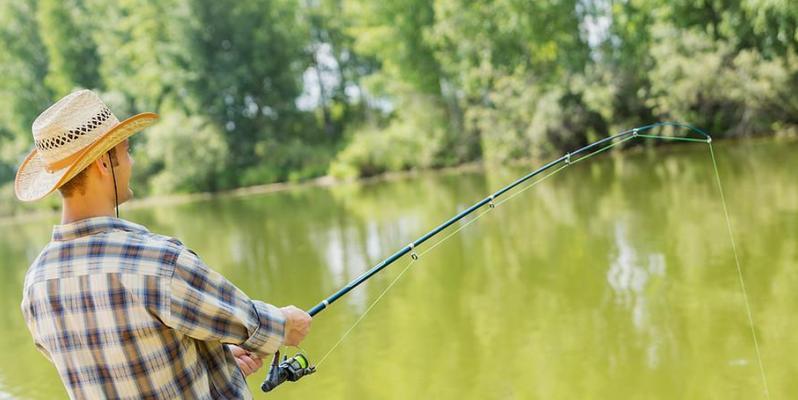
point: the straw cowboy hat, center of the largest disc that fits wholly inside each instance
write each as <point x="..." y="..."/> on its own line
<point x="68" y="137"/>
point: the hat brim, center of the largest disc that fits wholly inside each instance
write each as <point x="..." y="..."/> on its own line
<point x="34" y="182"/>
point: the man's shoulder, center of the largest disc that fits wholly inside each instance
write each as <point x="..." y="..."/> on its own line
<point x="139" y="253"/>
<point x="173" y="252"/>
<point x="165" y="241"/>
<point x="149" y="247"/>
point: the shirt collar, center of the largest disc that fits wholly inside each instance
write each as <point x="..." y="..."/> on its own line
<point x="94" y="225"/>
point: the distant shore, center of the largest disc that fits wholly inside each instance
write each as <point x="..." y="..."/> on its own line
<point x="323" y="181"/>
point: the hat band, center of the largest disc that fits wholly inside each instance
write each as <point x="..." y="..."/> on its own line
<point x="63" y="163"/>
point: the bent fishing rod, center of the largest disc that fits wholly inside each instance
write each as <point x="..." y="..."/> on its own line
<point x="299" y="366"/>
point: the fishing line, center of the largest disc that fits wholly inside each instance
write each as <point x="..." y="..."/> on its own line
<point x="740" y="275"/>
<point x="363" y="315"/>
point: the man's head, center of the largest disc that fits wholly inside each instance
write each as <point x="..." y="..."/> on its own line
<point x="79" y="135"/>
<point x="96" y="182"/>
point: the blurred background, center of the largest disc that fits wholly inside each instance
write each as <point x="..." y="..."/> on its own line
<point x="613" y="280"/>
<point x="264" y="91"/>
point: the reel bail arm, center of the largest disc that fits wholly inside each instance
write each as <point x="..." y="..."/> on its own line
<point x="290" y="369"/>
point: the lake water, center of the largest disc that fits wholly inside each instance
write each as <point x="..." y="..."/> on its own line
<point x="614" y="279"/>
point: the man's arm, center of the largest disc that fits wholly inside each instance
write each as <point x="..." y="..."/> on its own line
<point x="206" y="306"/>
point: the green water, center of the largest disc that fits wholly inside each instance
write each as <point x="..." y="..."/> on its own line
<point x="615" y="279"/>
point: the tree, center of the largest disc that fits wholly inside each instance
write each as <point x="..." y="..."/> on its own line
<point x="73" y="62"/>
<point x="143" y="47"/>
<point x="395" y="33"/>
<point x="23" y="68"/>
<point x="248" y="58"/>
<point x="336" y="67"/>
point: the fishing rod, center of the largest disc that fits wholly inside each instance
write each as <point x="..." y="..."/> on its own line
<point x="298" y="366"/>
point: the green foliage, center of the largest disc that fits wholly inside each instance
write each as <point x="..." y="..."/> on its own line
<point x="417" y="138"/>
<point x="72" y="55"/>
<point x="260" y="91"/>
<point x="189" y="154"/>
<point x="292" y="161"/>
<point x="395" y="33"/>
<point x="144" y="51"/>
<point x="23" y="68"/>
<point x="524" y="121"/>
<point x="480" y="41"/>
<point x="708" y="83"/>
<point x="249" y="57"/>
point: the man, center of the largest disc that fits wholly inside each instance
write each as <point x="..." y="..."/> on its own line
<point x="120" y="311"/>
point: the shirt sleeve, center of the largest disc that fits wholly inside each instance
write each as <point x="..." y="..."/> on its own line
<point x="31" y="321"/>
<point x="206" y="306"/>
<point x="44" y="352"/>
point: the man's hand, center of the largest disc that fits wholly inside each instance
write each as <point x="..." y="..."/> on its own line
<point x="248" y="363"/>
<point x="297" y="325"/>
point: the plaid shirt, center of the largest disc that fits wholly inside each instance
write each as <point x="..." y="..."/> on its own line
<point x="125" y="313"/>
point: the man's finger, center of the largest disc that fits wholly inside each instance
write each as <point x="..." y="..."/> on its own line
<point x="242" y="366"/>
<point x="237" y="351"/>
<point x="252" y="364"/>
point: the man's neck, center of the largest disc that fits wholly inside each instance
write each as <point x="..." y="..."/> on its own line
<point x="79" y="207"/>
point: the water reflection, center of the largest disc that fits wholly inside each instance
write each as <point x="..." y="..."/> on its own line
<point x="629" y="275"/>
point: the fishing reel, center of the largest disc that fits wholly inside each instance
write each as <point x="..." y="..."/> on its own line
<point x="290" y="369"/>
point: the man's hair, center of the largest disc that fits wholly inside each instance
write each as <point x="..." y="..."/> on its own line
<point x="78" y="182"/>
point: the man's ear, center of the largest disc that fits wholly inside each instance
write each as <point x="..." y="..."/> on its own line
<point x="103" y="165"/>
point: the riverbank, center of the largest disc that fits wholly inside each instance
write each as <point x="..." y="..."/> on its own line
<point x="328" y="181"/>
<point x="182" y="198"/>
